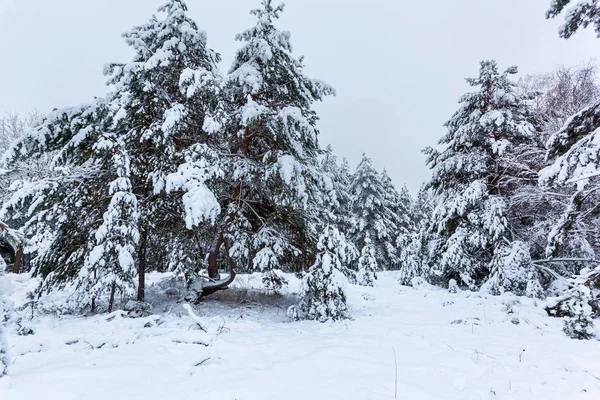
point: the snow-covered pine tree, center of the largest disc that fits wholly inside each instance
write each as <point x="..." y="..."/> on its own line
<point x="322" y="291"/>
<point x="4" y="316"/>
<point x="12" y="127"/>
<point x="156" y="119"/>
<point x="337" y="211"/>
<point x="367" y="263"/>
<point x="469" y="239"/>
<point x="110" y="266"/>
<point x="578" y="305"/>
<point x="399" y="203"/>
<point x="580" y="14"/>
<point x="340" y="201"/>
<point x="535" y="208"/>
<point x="373" y="212"/>
<point x="274" y="183"/>
<point x="414" y="254"/>
<point x="574" y="150"/>
<point x="165" y="97"/>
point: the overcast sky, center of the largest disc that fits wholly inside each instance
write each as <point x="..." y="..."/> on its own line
<point x="398" y="66"/>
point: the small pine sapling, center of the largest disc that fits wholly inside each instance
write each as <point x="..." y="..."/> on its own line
<point x="575" y="307"/>
<point x="323" y="294"/>
<point x="367" y="264"/>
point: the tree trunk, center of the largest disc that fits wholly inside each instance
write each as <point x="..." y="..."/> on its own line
<point x="111" y="301"/>
<point x="18" y="259"/>
<point x="142" y="266"/>
<point x="213" y="256"/>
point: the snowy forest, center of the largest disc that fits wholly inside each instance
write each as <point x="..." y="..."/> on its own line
<point x="186" y="192"/>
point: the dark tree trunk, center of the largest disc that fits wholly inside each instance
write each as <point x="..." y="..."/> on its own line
<point x="142" y="265"/>
<point x="213" y="256"/>
<point x="18" y="259"/>
<point x="111" y="301"/>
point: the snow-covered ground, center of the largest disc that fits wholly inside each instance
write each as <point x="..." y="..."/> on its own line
<point x="423" y="343"/>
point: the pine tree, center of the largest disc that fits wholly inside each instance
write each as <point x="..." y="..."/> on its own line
<point x="474" y="178"/>
<point x="110" y="266"/>
<point x="367" y="264"/>
<point x="165" y="97"/>
<point x="4" y="314"/>
<point x="339" y="207"/>
<point x="373" y="210"/>
<point x="337" y="211"/>
<point x="399" y="203"/>
<point x="581" y="14"/>
<point x="134" y="164"/>
<point x="574" y="152"/>
<point x="274" y="184"/>
<point x="323" y="294"/>
<point x="578" y="306"/>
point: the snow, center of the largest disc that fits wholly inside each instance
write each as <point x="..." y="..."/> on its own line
<point x="199" y="201"/>
<point x="447" y="346"/>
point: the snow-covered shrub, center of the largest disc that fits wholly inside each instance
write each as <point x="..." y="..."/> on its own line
<point x="4" y="317"/>
<point x="367" y="263"/>
<point x="512" y="271"/>
<point x="452" y="286"/>
<point x="136" y="309"/>
<point x="273" y="280"/>
<point x="323" y="294"/>
<point x="575" y="307"/>
<point x="417" y="282"/>
<point x="293" y="312"/>
<point x="413" y="258"/>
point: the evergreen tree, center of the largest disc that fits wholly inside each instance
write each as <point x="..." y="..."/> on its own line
<point x="274" y="186"/>
<point x="373" y="211"/>
<point x="322" y="291"/>
<point x="339" y="206"/>
<point x="581" y="14"/>
<point x="367" y="264"/>
<point x="574" y="151"/>
<point x="132" y="166"/>
<point x="165" y="96"/>
<point x="111" y="264"/>
<point x="578" y="306"/>
<point x="399" y="204"/>
<point x="4" y="315"/>
<point x="337" y="211"/>
<point x="414" y="258"/>
<point x="474" y="177"/>
<point x="537" y="208"/>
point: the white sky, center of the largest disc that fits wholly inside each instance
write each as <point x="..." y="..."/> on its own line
<point x="398" y="66"/>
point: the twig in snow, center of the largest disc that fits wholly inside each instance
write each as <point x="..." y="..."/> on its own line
<point x="450" y="347"/>
<point x="201" y="362"/>
<point x="477" y="352"/>
<point x="521" y="354"/>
